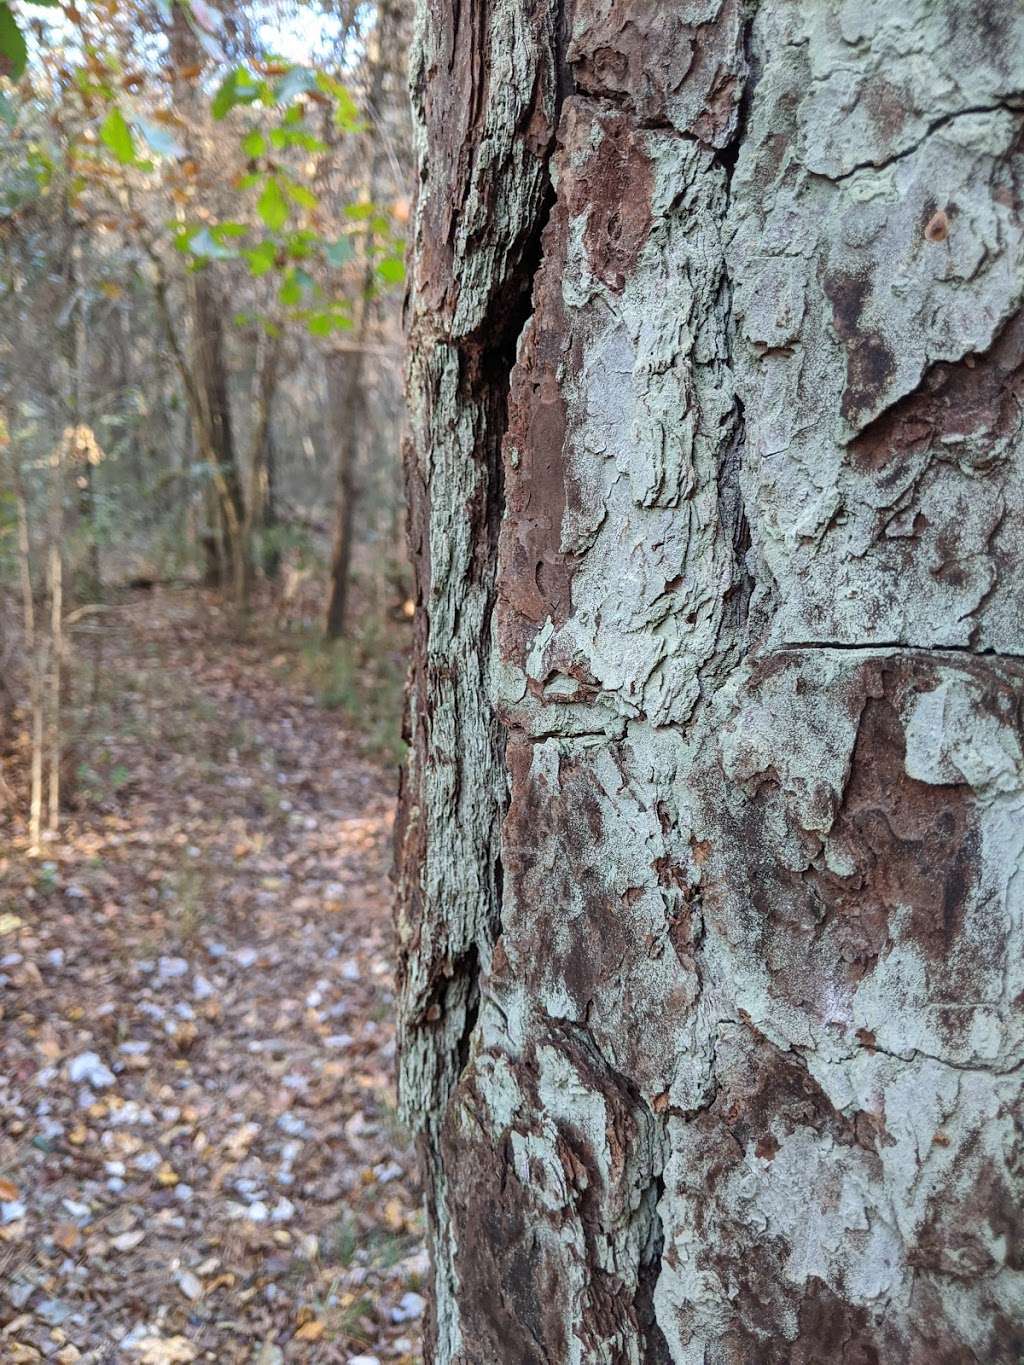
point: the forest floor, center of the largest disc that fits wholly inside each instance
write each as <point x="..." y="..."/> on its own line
<point x="199" y="1153"/>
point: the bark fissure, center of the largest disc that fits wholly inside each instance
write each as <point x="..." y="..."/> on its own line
<point x="904" y="646"/>
<point x="1010" y="105"/>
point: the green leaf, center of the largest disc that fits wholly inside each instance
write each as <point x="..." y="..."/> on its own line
<point x="13" y="52"/>
<point x="290" y="292"/>
<point x="346" y="114"/>
<point x="309" y="143"/>
<point x="183" y="237"/>
<point x="158" y="139"/>
<point x="298" y="194"/>
<point x="346" y="111"/>
<point x="225" y="230"/>
<point x="391" y="269"/>
<point x="115" y="134"/>
<point x="272" y="206"/>
<point x="339" y="253"/>
<point x="320" y="324"/>
<point x="254" y="144"/>
<point x="261" y="258"/>
<point x="237" y="87"/>
<point x="300" y="244"/>
<point x="225" y="97"/>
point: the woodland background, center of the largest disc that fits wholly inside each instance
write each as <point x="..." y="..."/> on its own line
<point x="205" y="612"/>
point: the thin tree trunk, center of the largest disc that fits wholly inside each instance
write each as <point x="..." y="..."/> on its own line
<point x="207" y="388"/>
<point x="211" y="386"/>
<point x="56" y="656"/>
<point x="55" y="652"/>
<point x="227" y="514"/>
<point x="260" y="506"/>
<point x="710" y="861"/>
<point x="32" y="654"/>
<point x="79" y="369"/>
<point x="271" y="559"/>
<point x="347" y="405"/>
<point x="346" y="372"/>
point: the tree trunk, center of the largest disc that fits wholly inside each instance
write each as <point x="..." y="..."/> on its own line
<point x="346" y="370"/>
<point x="711" y="907"/>
<point x="211" y="379"/>
<point x="261" y="514"/>
<point x="206" y="383"/>
<point x="270" y="555"/>
<point x="346" y="408"/>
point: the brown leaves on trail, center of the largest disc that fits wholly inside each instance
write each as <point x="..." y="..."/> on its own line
<point x="199" y="1159"/>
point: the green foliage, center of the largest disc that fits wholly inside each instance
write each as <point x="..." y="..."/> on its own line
<point x="272" y="205"/>
<point x="346" y="112"/>
<point x="117" y="136"/>
<point x="13" y="52"/>
<point x="285" y="205"/>
<point x="391" y="269"/>
<point x="282" y="207"/>
<point x="237" y="87"/>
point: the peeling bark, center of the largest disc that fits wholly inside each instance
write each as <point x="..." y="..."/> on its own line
<point x="711" y="837"/>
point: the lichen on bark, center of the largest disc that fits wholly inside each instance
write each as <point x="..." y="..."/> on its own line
<point x="711" y="846"/>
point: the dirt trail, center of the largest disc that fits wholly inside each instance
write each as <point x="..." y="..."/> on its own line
<point x="199" y="1158"/>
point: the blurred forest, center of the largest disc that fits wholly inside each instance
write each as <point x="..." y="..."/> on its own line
<point x="204" y="618"/>
<point x="201" y="262"/>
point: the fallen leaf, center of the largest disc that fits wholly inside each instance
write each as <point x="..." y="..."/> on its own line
<point x="67" y="1236"/>
<point x="165" y="1351"/>
<point x="190" y="1285"/>
<point x="311" y="1331"/>
<point x="236" y="1144"/>
<point x="23" y="1355"/>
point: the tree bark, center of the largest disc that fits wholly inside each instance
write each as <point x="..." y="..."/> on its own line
<point x="710" y="905"/>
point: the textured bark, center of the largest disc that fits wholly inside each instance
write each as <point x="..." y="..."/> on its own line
<point x="711" y="913"/>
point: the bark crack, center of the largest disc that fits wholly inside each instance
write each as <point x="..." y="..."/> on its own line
<point x="874" y="647"/>
<point x="936" y="125"/>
